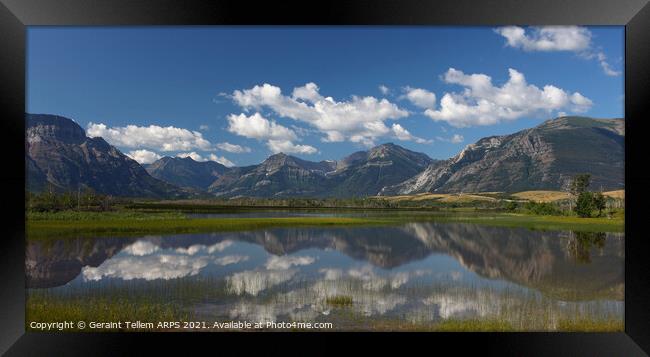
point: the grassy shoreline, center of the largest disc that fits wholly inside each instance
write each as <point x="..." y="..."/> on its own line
<point x="130" y="227"/>
<point x="41" y="309"/>
<point x="133" y="223"/>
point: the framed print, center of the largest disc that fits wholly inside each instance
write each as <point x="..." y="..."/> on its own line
<point x="438" y="172"/>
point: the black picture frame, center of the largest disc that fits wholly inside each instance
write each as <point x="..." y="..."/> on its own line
<point x="15" y="15"/>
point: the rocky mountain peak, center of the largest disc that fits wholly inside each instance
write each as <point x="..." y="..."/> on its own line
<point x="382" y="151"/>
<point x="574" y="122"/>
<point x="186" y="172"/>
<point x="59" y="154"/>
<point x="275" y="161"/>
<point x="278" y="157"/>
<point x="53" y="127"/>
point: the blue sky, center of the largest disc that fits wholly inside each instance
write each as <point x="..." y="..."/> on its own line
<point x="167" y="91"/>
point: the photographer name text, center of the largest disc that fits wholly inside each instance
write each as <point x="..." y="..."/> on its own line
<point x="176" y="325"/>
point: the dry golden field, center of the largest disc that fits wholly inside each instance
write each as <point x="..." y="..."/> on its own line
<point x="620" y="194"/>
<point x="443" y="197"/>
<point x="536" y="196"/>
<point x="542" y="196"/>
<point x="550" y="196"/>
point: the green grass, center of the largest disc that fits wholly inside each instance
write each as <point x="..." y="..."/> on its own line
<point x="586" y="325"/>
<point x="512" y="220"/>
<point x="104" y="216"/>
<point x="133" y="223"/>
<point x="43" y="309"/>
<point x="133" y="227"/>
<point x="339" y="300"/>
<point x="176" y="300"/>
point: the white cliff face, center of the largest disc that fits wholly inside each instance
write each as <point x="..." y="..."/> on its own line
<point x="421" y="182"/>
<point x="462" y="154"/>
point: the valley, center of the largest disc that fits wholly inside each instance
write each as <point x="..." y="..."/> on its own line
<point x="486" y="240"/>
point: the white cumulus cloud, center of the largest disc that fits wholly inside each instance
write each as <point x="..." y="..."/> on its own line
<point x="193" y="155"/>
<point x="288" y="147"/>
<point x="360" y="119"/>
<point x="212" y="157"/>
<point x="402" y="134"/>
<point x="258" y="127"/>
<point x="482" y="103"/>
<point x="454" y="139"/>
<point x="548" y="38"/>
<point x="233" y="148"/>
<point x="222" y="160"/>
<point x="420" y="97"/>
<point x="556" y="38"/>
<point x="607" y="68"/>
<point x="152" y="137"/>
<point x="279" y="138"/>
<point x="143" y="156"/>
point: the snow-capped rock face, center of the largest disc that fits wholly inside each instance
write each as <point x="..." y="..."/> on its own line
<point x="540" y="158"/>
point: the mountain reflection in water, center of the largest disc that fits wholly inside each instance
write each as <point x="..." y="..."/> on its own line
<point x="417" y="270"/>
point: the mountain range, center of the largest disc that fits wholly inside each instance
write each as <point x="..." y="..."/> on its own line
<point x="545" y="157"/>
<point x="60" y="155"/>
<point x="185" y="172"/>
<point x="363" y="173"/>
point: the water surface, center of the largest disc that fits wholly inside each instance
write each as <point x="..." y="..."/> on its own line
<point x="421" y="273"/>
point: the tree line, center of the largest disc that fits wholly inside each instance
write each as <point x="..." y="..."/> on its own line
<point x="52" y="201"/>
<point x="582" y="202"/>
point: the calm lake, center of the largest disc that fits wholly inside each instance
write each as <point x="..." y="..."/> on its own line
<point x="361" y="278"/>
